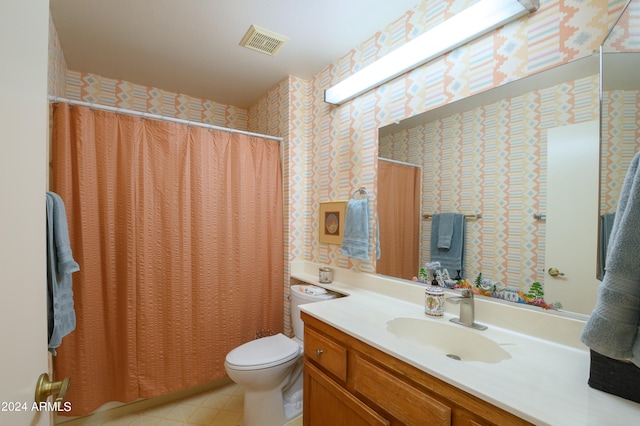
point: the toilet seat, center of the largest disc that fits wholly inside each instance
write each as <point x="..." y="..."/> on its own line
<point x="263" y="353"/>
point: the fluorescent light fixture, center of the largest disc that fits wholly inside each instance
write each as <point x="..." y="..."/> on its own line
<point x="474" y="21"/>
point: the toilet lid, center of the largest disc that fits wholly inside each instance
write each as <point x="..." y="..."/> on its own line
<point x="263" y="353"/>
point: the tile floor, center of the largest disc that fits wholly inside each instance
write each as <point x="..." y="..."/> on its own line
<point x="219" y="407"/>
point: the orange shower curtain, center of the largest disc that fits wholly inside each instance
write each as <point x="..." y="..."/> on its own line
<point x="178" y="231"/>
<point x="398" y="219"/>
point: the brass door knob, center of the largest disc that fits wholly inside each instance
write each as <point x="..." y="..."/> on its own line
<point x="554" y="272"/>
<point x="45" y="387"/>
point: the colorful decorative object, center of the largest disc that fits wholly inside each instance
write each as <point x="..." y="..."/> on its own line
<point x="423" y="276"/>
<point x="534" y="297"/>
<point x="434" y="301"/>
<point x="484" y="287"/>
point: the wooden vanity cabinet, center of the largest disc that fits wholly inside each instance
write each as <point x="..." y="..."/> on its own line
<point x="347" y="382"/>
<point x="331" y="404"/>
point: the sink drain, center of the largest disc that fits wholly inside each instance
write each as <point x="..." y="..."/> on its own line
<point x="452" y="356"/>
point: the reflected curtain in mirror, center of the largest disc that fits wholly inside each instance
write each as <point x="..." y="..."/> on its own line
<point x="399" y="219"/>
<point x="179" y="234"/>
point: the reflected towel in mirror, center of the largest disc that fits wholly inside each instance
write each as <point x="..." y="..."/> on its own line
<point x="445" y="230"/>
<point x="450" y="258"/>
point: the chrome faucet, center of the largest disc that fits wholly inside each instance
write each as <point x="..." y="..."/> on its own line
<point x="467" y="310"/>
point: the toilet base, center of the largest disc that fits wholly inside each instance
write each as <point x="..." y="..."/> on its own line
<point x="269" y="409"/>
<point x="263" y="408"/>
<point x="293" y="406"/>
<point x="275" y="407"/>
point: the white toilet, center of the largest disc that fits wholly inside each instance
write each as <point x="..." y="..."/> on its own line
<point x="270" y="368"/>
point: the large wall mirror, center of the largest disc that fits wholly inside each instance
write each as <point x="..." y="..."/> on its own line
<point x="488" y="157"/>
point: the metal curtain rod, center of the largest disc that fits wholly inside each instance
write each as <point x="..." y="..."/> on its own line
<point x="402" y="163"/>
<point x="158" y="117"/>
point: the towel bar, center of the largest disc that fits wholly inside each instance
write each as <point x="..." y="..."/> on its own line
<point x="466" y="216"/>
<point x="362" y="191"/>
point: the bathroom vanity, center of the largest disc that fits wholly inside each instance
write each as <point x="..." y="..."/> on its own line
<point x="365" y="386"/>
<point x="373" y="357"/>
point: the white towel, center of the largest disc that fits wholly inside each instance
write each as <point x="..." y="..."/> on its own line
<point x="612" y="328"/>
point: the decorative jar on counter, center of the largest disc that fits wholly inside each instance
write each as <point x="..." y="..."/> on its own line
<point x="325" y="275"/>
<point x="434" y="301"/>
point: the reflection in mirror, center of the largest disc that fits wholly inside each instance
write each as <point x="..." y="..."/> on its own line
<point x="486" y="155"/>
<point x="620" y="115"/>
<point x="398" y="217"/>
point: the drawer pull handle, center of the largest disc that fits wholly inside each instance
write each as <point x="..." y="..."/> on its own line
<point x="319" y="352"/>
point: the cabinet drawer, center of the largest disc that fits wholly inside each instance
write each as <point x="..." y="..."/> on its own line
<point x="325" y="352"/>
<point x="395" y="396"/>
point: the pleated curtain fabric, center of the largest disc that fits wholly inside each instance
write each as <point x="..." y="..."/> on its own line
<point x="398" y="219"/>
<point x="179" y="234"/>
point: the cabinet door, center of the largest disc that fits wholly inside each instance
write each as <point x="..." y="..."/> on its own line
<point x="328" y="404"/>
<point x="407" y="403"/>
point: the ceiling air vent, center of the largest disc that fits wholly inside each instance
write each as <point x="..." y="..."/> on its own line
<point x="262" y="40"/>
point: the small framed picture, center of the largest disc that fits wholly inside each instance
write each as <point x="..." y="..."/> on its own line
<point x="332" y="215"/>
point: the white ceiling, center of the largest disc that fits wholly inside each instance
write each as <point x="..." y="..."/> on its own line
<point x="192" y="46"/>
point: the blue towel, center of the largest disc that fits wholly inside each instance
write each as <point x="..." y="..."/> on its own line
<point x="450" y="259"/>
<point x="612" y="329"/>
<point x="60" y="265"/>
<point x="606" y="225"/>
<point x="355" y="242"/>
<point x="377" y="239"/>
<point x="445" y="230"/>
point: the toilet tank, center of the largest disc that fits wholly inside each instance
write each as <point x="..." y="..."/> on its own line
<point x="300" y="295"/>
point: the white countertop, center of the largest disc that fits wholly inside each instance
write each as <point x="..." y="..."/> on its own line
<point x="544" y="382"/>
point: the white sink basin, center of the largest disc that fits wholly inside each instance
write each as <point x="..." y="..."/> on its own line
<point x="448" y="339"/>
